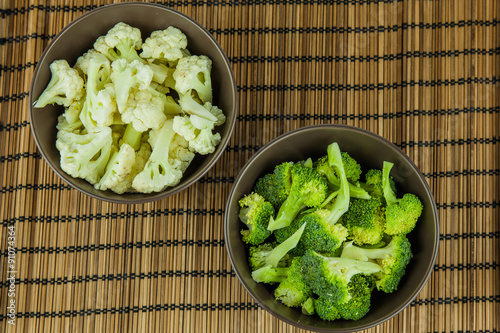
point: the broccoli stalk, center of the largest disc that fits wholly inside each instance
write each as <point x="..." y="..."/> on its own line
<point x="401" y="214"/>
<point x="342" y="195"/>
<point x="352" y="170"/>
<point x="308" y="189"/>
<point x="330" y="276"/>
<point x="255" y="213"/>
<point x="392" y="258"/>
<point x="265" y="259"/>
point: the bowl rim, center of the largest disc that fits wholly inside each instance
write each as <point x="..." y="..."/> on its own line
<point x="155" y="196"/>
<point x="286" y="135"/>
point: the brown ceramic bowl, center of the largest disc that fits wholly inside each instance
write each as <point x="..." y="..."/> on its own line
<point x="80" y="35"/>
<point x="370" y="151"/>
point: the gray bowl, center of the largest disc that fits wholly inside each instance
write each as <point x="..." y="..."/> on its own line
<point x="80" y="35"/>
<point x="370" y="150"/>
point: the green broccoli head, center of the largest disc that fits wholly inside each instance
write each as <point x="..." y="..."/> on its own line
<point x="401" y="214"/>
<point x="255" y="213"/>
<point x="320" y="235"/>
<point x="275" y="254"/>
<point x="365" y="221"/>
<point x="330" y="276"/>
<point x="356" y="307"/>
<point x="352" y="168"/>
<point x="275" y="187"/>
<point x="308" y="189"/>
<point x="392" y="258"/>
<point x="293" y="291"/>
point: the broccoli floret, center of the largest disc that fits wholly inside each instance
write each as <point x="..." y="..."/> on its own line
<point x="275" y="187"/>
<point x="330" y="276"/>
<point x="255" y="213"/>
<point x="365" y="221"/>
<point x="266" y="258"/>
<point x="373" y="184"/>
<point x="356" y="307"/>
<point x="308" y="189"/>
<point x="323" y="167"/>
<point x="65" y="86"/>
<point x="293" y="291"/>
<point x="319" y="235"/>
<point x="401" y="214"/>
<point x="273" y="254"/>
<point x="392" y="258"/>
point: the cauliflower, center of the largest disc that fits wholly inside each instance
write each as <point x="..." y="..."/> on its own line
<point x="85" y="155"/>
<point x="82" y="63"/>
<point x="161" y="170"/>
<point x="118" y="171"/>
<point x="120" y="42"/>
<point x="65" y="86"/>
<point x="144" y="111"/>
<point x="202" y="141"/>
<point x="104" y="106"/>
<point x="168" y="44"/>
<point x="190" y="106"/>
<point x="193" y="74"/>
<point x="179" y="150"/>
<point x="126" y="76"/>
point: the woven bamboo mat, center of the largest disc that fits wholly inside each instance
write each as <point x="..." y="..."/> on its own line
<point x="423" y="74"/>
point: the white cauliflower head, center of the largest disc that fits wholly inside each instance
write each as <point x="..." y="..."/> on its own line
<point x="165" y="44"/>
<point x="65" y="86"/>
<point x="120" y="42"/>
<point x="193" y="73"/>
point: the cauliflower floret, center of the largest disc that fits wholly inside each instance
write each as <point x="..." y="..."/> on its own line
<point x="193" y="73"/>
<point x="72" y="112"/>
<point x="144" y="111"/>
<point x="203" y="123"/>
<point x="205" y="142"/>
<point x="65" y="86"/>
<point x="190" y="106"/>
<point x="85" y="155"/>
<point x="120" y="42"/>
<point x="165" y="44"/>
<point x="82" y="63"/>
<point x="179" y="150"/>
<point x="202" y="141"/>
<point x="126" y="76"/>
<point x="161" y="170"/>
<point x="104" y="106"/>
<point x="118" y="171"/>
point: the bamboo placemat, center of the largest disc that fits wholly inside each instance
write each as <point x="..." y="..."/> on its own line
<point x="423" y="74"/>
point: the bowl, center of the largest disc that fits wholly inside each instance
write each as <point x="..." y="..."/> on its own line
<point x="80" y="35"/>
<point x="370" y="150"/>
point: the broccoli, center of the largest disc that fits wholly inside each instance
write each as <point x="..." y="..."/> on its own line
<point x="308" y="189"/>
<point x="401" y="214"/>
<point x="392" y="258"/>
<point x="65" y="86"/>
<point x="293" y="291"/>
<point x="365" y="221"/>
<point x="330" y="276"/>
<point x="351" y="169"/>
<point x="373" y="184"/>
<point x="308" y="306"/>
<point x="255" y="212"/>
<point x="319" y="235"/>
<point x="275" y="187"/>
<point x="360" y="289"/>
<point x="342" y="195"/>
<point x="265" y="258"/>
